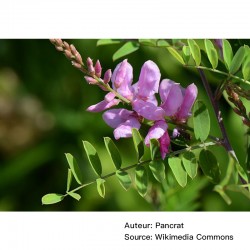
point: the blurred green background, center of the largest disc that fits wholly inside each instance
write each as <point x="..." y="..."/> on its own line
<point x="42" y="116"/>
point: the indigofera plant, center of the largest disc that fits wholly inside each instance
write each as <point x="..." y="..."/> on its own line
<point x="156" y="112"/>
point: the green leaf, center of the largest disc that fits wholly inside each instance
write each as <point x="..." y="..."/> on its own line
<point x="108" y="42"/>
<point x="246" y="70"/>
<point x="241" y="172"/>
<point x="124" y="179"/>
<point x="138" y="143"/>
<point x="239" y="189"/>
<point x="148" y="42"/>
<point x="74" y="195"/>
<point x="186" y="53"/>
<point x="69" y="180"/>
<point x="190" y="163"/>
<point x="154" y="148"/>
<point x="176" y="55"/>
<point x="141" y="180"/>
<point x="178" y="171"/>
<point x="74" y="168"/>
<point x="237" y="60"/>
<point x="227" y="53"/>
<point x="195" y="51"/>
<point x="113" y="152"/>
<point x="209" y="165"/>
<point x="211" y="53"/>
<point x="52" y="198"/>
<point x="93" y="157"/>
<point x="157" y="168"/>
<point x="126" y="49"/>
<point x="162" y="43"/>
<point x="201" y="121"/>
<point x="100" y="187"/>
<point x="222" y="193"/>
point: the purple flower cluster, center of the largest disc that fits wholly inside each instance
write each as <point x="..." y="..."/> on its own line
<point x="176" y="103"/>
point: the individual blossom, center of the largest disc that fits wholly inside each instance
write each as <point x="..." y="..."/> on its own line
<point x="159" y="131"/>
<point x="177" y="102"/>
<point x="122" y="120"/>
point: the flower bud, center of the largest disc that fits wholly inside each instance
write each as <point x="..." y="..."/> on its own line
<point x="73" y="49"/>
<point x="76" y="65"/>
<point x="90" y="66"/>
<point x="107" y="76"/>
<point x="59" y="48"/>
<point x="98" y="69"/>
<point x="90" y="80"/>
<point x="68" y="54"/>
<point x="120" y="75"/>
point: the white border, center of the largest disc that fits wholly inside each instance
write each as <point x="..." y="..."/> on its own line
<point x="99" y="230"/>
<point x="120" y="19"/>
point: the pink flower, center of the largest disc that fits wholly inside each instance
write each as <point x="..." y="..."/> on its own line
<point x="177" y="102"/>
<point x="122" y="120"/>
<point x="159" y="131"/>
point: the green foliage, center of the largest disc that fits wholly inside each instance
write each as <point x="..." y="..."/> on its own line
<point x="93" y="157"/>
<point x="186" y="53"/>
<point x="195" y="51"/>
<point x="209" y="165"/>
<point x="178" y="171"/>
<point x="237" y="60"/>
<point x="74" y="195"/>
<point x="108" y="42"/>
<point x="124" y="179"/>
<point x="154" y="148"/>
<point x="201" y="121"/>
<point x="157" y="168"/>
<point x="212" y="53"/>
<point x="113" y="152"/>
<point x="141" y="180"/>
<point x="69" y="180"/>
<point x="176" y="55"/>
<point x="227" y="53"/>
<point x="138" y="143"/>
<point x="53" y="198"/>
<point x="74" y="168"/>
<point x="126" y="49"/>
<point x="190" y="163"/>
<point x="100" y="187"/>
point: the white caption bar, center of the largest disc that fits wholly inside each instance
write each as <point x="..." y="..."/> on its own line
<point x="133" y="230"/>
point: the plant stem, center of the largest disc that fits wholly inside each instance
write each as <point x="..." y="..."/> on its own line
<point x="203" y="145"/>
<point x="219" y="72"/>
<point x="225" y="140"/>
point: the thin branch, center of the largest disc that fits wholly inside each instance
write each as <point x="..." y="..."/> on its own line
<point x="225" y="140"/>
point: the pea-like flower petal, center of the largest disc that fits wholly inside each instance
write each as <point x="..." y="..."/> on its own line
<point x="171" y="95"/>
<point x="148" y="110"/>
<point x="149" y="80"/>
<point x="188" y="101"/>
<point x="115" y="117"/>
<point x="156" y="131"/>
<point x="124" y="130"/>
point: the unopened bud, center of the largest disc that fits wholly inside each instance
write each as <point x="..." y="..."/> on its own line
<point x="120" y="75"/>
<point x="107" y="76"/>
<point x="53" y="40"/>
<point x="90" y="80"/>
<point x="237" y="111"/>
<point x="68" y="54"/>
<point x="59" y="48"/>
<point x="98" y="69"/>
<point x="78" y="58"/>
<point x="73" y="49"/>
<point x="76" y="65"/>
<point x="90" y="66"/>
<point x="59" y="42"/>
<point x="246" y="122"/>
<point x="109" y="97"/>
<point x="66" y="45"/>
